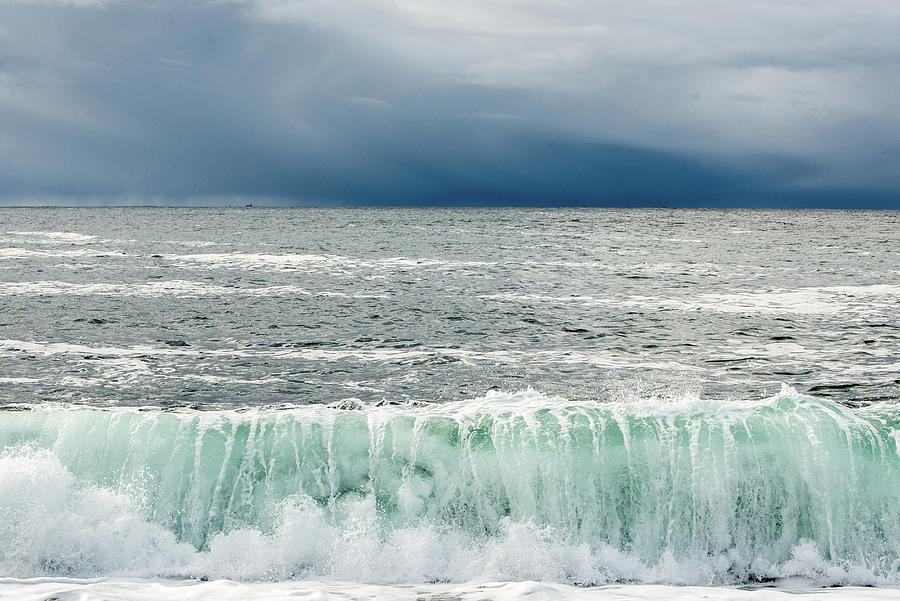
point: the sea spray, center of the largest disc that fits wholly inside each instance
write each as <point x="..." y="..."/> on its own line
<point x="507" y="486"/>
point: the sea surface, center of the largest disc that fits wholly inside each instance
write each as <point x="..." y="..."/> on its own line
<point x="405" y="403"/>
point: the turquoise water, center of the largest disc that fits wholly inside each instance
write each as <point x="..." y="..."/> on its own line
<point x="736" y="488"/>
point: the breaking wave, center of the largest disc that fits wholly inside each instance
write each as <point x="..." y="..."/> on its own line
<point x="508" y="486"/>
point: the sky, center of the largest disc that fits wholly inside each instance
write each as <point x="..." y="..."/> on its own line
<point x="774" y="103"/>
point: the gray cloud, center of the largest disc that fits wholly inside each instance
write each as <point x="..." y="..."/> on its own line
<point x="645" y="102"/>
<point x="75" y="3"/>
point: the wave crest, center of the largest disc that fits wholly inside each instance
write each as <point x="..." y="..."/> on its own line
<point x="507" y="487"/>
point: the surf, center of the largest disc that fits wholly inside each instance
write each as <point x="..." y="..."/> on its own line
<point x="510" y="486"/>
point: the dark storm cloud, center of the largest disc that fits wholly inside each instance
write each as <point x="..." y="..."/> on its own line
<point x="448" y="103"/>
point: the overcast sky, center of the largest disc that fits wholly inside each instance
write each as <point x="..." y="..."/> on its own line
<point x="633" y="102"/>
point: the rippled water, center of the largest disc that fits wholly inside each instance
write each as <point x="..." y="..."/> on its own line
<point x="620" y="413"/>
<point x="224" y="307"/>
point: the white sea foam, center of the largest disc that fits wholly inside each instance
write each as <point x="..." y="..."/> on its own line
<point x="46" y="515"/>
<point x="333" y="263"/>
<point x="608" y="359"/>
<point x="775" y="302"/>
<point x="133" y="589"/>
<point x="892" y="368"/>
<point x="867" y="290"/>
<point x="53" y="237"/>
<point x="11" y="253"/>
<point x="65" y="348"/>
<point x="222" y="380"/>
<point x="825" y="300"/>
<point x="181" y="288"/>
<point x="5" y="380"/>
<point x="237" y="260"/>
<point x="176" y="288"/>
<point x="193" y="243"/>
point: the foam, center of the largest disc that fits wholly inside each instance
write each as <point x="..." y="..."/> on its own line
<point x="366" y="355"/>
<point x="12" y="253"/>
<point x="54" y="237"/>
<point x="8" y="347"/>
<point x="825" y="300"/>
<point x="178" y="288"/>
<point x="332" y="263"/>
<point x="131" y="589"/>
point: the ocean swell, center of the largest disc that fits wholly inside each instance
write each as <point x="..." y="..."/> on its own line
<point x="509" y="486"/>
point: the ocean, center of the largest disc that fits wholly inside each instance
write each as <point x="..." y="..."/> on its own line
<point x="449" y="403"/>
